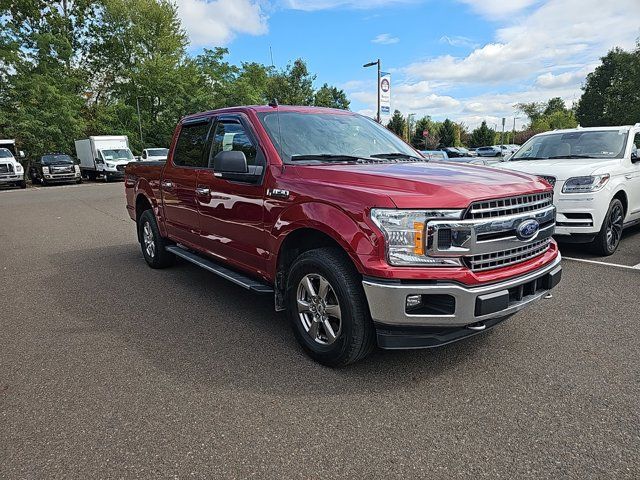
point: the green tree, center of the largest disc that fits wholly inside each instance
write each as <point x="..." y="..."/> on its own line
<point x="397" y="124"/>
<point x="293" y="85"/>
<point x="611" y="93"/>
<point x="482" y="136"/>
<point x="431" y="140"/>
<point x="331" y="97"/>
<point x="447" y="134"/>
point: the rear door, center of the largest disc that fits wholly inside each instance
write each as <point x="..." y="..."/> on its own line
<point x="632" y="178"/>
<point x="231" y="212"/>
<point x="179" y="182"/>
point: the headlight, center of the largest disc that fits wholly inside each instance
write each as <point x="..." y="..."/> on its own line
<point x="592" y="183"/>
<point x="404" y="232"/>
<point x="18" y="168"/>
<point x="110" y="165"/>
<point x="77" y="168"/>
<point x="45" y="169"/>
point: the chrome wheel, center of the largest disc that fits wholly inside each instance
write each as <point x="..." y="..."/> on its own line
<point x="147" y="238"/>
<point x="319" y="309"/>
<point x="614" y="227"/>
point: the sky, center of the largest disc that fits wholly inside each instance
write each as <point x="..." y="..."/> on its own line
<point x="468" y="60"/>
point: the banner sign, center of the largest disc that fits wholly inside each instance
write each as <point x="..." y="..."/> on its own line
<point x="385" y="93"/>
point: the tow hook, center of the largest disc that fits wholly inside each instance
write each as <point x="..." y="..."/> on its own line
<point x="478" y="327"/>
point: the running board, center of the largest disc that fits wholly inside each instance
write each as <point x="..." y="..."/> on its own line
<point x="224" y="272"/>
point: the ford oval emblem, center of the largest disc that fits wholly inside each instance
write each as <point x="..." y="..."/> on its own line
<point x="527" y="229"/>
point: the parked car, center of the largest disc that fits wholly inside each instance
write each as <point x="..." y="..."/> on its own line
<point x="104" y="155"/>
<point x="469" y="160"/>
<point x="435" y="154"/>
<point x="154" y="154"/>
<point x="358" y="239"/>
<point x="55" y="168"/>
<point x="596" y="177"/>
<point x="453" y="152"/>
<point x="491" y="151"/>
<point x="11" y="170"/>
<point x="466" y="152"/>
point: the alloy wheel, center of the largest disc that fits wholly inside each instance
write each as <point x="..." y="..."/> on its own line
<point x="147" y="238"/>
<point x="319" y="309"/>
<point x="614" y="227"/>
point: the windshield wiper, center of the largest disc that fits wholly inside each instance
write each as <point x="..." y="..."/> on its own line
<point x="393" y="155"/>
<point x="573" y="156"/>
<point x="328" y="157"/>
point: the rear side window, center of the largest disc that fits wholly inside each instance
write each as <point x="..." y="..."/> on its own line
<point x="190" y="145"/>
<point x="231" y="135"/>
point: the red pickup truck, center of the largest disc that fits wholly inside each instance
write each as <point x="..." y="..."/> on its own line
<point x="360" y="239"/>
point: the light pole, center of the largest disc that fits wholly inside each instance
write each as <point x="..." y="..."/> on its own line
<point x="139" y="122"/>
<point x="514" y="129"/>
<point x="409" y="126"/>
<point x="371" y="64"/>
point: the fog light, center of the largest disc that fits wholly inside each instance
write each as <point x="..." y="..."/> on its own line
<point x="413" y="301"/>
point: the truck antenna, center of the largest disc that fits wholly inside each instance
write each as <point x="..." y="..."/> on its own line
<point x="274" y="104"/>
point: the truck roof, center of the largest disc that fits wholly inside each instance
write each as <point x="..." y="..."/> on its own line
<point x="267" y="108"/>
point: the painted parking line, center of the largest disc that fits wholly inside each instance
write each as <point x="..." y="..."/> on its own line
<point x="608" y="264"/>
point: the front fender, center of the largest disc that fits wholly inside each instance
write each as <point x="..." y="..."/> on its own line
<point x="352" y="234"/>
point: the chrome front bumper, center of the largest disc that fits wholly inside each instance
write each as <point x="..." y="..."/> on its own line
<point x="464" y="306"/>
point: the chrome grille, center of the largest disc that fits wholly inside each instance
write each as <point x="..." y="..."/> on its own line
<point x="488" y="261"/>
<point x="6" y="168"/>
<point x="509" y="206"/>
<point x="549" y="178"/>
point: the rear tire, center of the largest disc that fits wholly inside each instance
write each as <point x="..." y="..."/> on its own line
<point x="607" y="241"/>
<point x="152" y="243"/>
<point x="327" y="308"/>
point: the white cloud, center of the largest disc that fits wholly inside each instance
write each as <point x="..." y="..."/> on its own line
<point x="498" y="8"/>
<point x="311" y="5"/>
<point x="217" y="22"/>
<point x="458" y="41"/>
<point x="385" y="39"/>
<point x="573" y="78"/>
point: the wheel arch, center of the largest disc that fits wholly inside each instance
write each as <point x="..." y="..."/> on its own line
<point x="622" y="196"/>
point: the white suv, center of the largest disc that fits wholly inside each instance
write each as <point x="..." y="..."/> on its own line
<point x="11" y="171"/>
<point x="595" y="172"/>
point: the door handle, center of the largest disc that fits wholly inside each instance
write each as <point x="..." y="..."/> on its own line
<point x="167" y="185"/>
<point x="628" y="176"/>
<point x="203" y="191"/>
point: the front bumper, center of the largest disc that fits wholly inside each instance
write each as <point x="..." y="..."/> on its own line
<point x="580" y="214"/>
<point x="450" y="311"/>
<point x="5" y="178"/>
<point x="61" y="177"/>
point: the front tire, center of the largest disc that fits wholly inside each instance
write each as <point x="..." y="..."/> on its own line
<point x="152" y="244"/>
<point x="22" y="184"/>
<point x="327" y="308"/>
<point x="607" y="241"/>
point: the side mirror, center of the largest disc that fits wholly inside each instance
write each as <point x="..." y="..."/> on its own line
<point x="231" y="161"/>
<point x="21" y="154"/>
<point x="634" y="157"/>
<point x="99" y="160"/>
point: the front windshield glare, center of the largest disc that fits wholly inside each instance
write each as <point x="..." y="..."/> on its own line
<point x="5" y="153"/>
<point x="586" y="144"/>
<point x="158" y="152"/>
<point x="302" y="134"/>
<point x="118" y="154"/>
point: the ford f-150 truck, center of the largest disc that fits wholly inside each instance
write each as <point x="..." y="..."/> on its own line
<point x="358" y="237"/>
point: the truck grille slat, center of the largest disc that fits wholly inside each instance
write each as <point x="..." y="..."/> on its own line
<point x="508" y="206"/>
<point x="505" y="258"/>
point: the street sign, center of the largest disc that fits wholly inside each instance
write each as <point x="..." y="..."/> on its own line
<point x="385" y="93"/>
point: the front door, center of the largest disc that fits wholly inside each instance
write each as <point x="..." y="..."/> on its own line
<point x="231" y="212"/>
<point x="179" y="182"/>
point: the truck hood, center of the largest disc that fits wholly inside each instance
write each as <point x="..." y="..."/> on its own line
<point x="420" y="185"/>
<point x="561" y="168"/>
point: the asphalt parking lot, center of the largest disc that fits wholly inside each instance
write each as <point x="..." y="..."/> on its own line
<point x="109" y="369"/>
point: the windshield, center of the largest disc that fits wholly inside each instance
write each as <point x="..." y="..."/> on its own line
<point x="158" y="152"/>
<point x="117" y="154"/>
<point x="5" y="153"/>
<point x="56" y="158"/>
<point x="586" y="144"/>
<point x="303" y="134"/>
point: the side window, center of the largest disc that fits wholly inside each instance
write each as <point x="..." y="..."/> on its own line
<point x="231" y="135"/>
<point x="190" y="145"/>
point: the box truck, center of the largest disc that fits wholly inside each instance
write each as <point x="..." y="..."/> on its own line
<point x="104" y="155"/>
<point x="11" y="170"/>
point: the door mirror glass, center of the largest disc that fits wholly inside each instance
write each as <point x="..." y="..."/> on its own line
<point x="21" y="154"/>
<point x="230" y="161"/>
<point x="634" y="157"/>
<point x="98" y="160"/>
